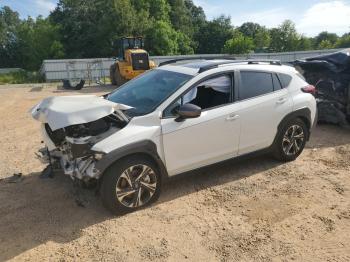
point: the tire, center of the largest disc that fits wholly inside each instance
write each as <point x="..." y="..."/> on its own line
<point x="119" y="79"/>
<point x="134" y="192"/>
<point x="112" y="74"/>
<point x="290" y="140"/>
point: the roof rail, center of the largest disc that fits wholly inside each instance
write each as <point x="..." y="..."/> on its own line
<point x="173" y="61"/>
<point x="248" y="61"/>
<point x="271" y="61"/>
<point x="231" y="60"/>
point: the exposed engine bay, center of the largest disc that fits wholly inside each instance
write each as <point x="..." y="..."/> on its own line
<point x="70" y="147"/>
<point x="73" y="146"/>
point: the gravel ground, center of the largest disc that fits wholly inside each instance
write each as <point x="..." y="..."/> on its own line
<point x="255" y="209"/>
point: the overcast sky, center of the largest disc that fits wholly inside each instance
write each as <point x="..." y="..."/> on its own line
<point x="310" y="16"/>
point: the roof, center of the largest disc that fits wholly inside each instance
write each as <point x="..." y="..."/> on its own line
<point x="193" y="67"/>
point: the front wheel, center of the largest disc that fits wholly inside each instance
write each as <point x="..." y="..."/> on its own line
<point x="130" y="184"/>
<point x="291" y="140"/>
<point x="119" y="79"/>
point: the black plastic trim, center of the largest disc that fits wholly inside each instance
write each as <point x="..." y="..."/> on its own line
<point x="173" y="61"/>
<point x="304" y="114"/>
<point x="142" y="147"/>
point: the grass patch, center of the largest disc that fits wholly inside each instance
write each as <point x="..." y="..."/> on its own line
<point x="21" y="77"/>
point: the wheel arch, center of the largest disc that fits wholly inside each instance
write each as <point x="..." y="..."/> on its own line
<point x="144" y="148"/>
<point x="304" y="114"/>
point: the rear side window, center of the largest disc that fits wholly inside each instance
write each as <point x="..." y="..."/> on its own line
<point x="255" y="84"/>
<point x="285" y="79"/>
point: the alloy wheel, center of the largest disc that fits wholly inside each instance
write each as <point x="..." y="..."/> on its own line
<point x="136" y="186"/>
<point x="293" y="140"/>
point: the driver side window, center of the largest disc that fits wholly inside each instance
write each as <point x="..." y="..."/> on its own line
<point x="208" y="94"/>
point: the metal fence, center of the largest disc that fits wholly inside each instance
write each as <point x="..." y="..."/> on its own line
<point x="97" y="69"/>
<point x="74" y="69"/>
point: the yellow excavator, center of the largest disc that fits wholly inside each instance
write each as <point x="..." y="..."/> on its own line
<point x="132" y="61"/>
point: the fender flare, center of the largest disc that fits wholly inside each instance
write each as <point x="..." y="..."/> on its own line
<point x="145" y="147"/>
<point x="303" y="113"/>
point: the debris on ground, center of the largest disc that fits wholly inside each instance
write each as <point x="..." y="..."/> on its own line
<point x="80" y="195"/>
<point x="67" y="85"/>
<point x="330" y="74"/>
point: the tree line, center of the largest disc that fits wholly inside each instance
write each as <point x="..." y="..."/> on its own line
<point x="91" y="28"/>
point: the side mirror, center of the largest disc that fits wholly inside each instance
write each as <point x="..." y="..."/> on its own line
<point x="188" y="111"/>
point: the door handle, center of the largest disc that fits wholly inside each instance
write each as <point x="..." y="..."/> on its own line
<point x="281" y="100"/>
<point x="232" y="117"/>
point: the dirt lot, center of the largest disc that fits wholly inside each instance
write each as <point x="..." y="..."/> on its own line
<point x="257" y="209"/>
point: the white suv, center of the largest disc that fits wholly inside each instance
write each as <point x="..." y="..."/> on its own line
<point x="173" y="119"/>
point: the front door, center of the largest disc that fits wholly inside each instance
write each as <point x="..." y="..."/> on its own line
<point x="210" y="138"/>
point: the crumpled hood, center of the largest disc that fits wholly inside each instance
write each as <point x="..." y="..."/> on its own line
<point x="63" y="111"/>
<point x="337" y="62"/>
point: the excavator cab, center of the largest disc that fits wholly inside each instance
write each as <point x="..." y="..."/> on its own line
<point x="132" y="60"/>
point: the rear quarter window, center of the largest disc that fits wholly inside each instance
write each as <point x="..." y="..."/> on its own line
<point x="284" y="79"/>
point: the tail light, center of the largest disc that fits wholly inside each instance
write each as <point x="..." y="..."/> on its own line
<point x="309" y="89"/>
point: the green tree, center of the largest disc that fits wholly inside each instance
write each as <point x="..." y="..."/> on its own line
<point x="284" y="38"/>
<point x="250" y="29"/>
<point x="198" y="20"/>
<point x="262" y="39"/>
<point x="196" y="12"/>
<point x="38" y="40"/>
<point x="344" y="41"/>
<point x="258" y="33"/>
<point x="160" y="9"/>
<point x="180" y="16"/>
<point x="239" y="44"/>
<point x="185" y="45"/>
<point x="162" y="39"/>
<point x="213" y="35"/>
<point x="305" y="43"/>
<point x="325" y="36"/>
<point x="9" y="22"/>
<point x="89" y="28"/>
<point x="25" y="43"/>
<point x="325" y="44"/>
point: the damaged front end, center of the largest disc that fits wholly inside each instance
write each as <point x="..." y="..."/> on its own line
<point x="330" y="74"/>
<point x="71" y="126"/>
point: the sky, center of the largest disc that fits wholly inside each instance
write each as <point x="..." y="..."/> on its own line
<point x="310" y="16"/>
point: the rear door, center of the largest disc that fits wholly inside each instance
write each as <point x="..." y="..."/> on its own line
<point x="263" y="104"/>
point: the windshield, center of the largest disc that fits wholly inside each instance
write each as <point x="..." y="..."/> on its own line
<point x="148" y="91"/>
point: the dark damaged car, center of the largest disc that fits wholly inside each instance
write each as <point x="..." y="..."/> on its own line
<point x="330" y="74"/>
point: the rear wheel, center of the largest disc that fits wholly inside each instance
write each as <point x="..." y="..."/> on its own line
<point x="291" y="140"/>
<point x="130" y="184"/>
<point x="112" y="74"/>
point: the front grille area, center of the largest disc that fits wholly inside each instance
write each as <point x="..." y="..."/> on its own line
<point x="140" y="61"/>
